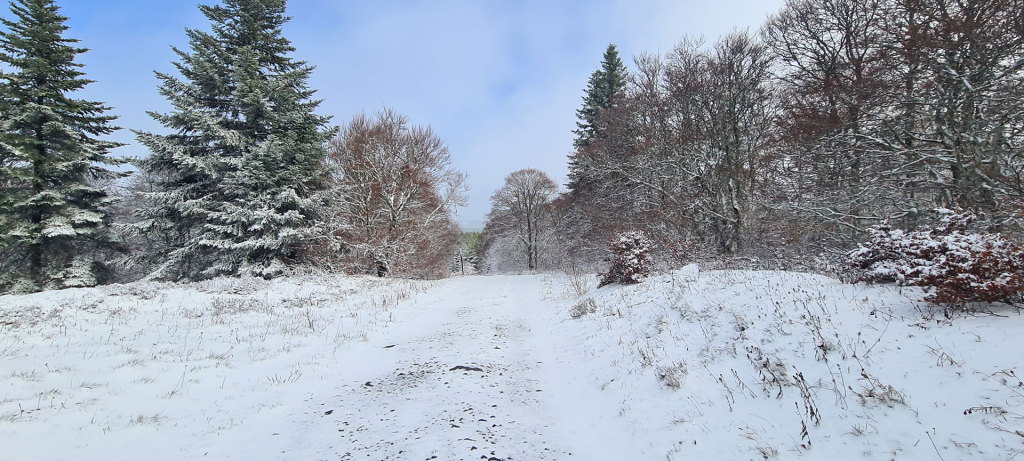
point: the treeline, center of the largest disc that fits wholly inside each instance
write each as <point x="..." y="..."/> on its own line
<point x="246" y="179"/>
<point x="791" y="141"/>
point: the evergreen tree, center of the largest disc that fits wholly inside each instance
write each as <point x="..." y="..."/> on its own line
<point x="53" y="216"/>
<point x="604" y="89"/>
<point x="240" y="172"/>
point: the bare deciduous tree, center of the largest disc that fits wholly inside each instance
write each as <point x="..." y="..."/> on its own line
<point x="898" y="106"/>
<point x="520" y="211"/>
<point x="683" y="152"/>
<point x="839" y="115"/>
<point x="394" y="192"/>
<point x="834" y="73"/>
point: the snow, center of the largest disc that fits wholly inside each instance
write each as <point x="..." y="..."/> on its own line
<point x="630" y="259"/>
<point x="962" y="266"/>
<point x="175" y="371"/>
<point x="494" y="367"/>
<point x="861" y="351"/>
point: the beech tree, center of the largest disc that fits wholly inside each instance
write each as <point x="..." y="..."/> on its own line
<point x="724" y="104"/>
<point x="896" y="107"/>
<point x="54" y="223"/>
<point x="834" y="72"/>
<point x="839" y="115"/>
<point x="682" y="153"/>
<point x="520" y="212"/>
<point x="393" y="194"/>
<point x="962" y="69"/>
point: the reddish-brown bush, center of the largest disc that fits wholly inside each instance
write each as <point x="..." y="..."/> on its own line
<point x="958" y="266"/>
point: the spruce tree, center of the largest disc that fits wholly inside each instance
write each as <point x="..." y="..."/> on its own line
<point x="53" y="216"/>
<point x="604" y="88"/>
<point x="240" y="171"/>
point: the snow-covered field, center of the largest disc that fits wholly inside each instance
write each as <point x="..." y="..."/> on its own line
<point x="177" y="371"/>
<point x="688" y="365"/>
<point x="776" y="365"/>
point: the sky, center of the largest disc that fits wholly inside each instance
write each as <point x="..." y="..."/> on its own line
<point x="499" y="81"/>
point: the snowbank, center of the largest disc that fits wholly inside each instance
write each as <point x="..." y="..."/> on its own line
<point x="777" y="365"/>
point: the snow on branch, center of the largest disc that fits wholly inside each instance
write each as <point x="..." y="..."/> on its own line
<point x="960" y="266"/>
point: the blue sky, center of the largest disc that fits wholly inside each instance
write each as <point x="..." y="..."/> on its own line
<point x="498" y="80"/>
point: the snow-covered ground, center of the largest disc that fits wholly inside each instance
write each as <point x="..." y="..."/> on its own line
<point x="766" y="365"/>
<point x="688" y="365"/>
<point x="163" y="371"/>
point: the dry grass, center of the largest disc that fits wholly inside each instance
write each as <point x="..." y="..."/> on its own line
<point x="583" y="308"/>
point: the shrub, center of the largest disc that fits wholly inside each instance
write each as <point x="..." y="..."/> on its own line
<point x="631" y="259"/>
<point x="582" y="308"/>
<point x="960" y="265"/>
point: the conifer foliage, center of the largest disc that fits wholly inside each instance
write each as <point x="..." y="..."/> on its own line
<point x="605" y="87"/>
<point x="239" y="174"/>
<point x="53" y="215"/>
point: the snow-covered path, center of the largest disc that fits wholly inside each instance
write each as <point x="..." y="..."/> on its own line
<point x="306" y="369"/>
<point x="687" y="365"/>
<point x="475" y="374"/>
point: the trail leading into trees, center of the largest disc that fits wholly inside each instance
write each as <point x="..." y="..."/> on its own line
<point x="686" y="365"/>
<point x="476" y="374"/>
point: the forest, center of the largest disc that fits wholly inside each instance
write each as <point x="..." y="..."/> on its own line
<point x="244" y="180"/>
<point x="789" y="146"/>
